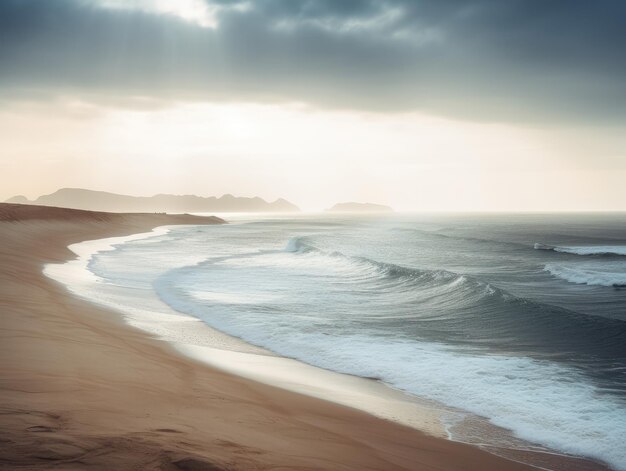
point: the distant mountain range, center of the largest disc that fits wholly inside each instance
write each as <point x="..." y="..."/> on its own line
<point x="78" y="198"/>
<point x="360" y="208"/>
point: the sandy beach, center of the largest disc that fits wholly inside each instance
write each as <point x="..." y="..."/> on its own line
<point x="82" y="390"/>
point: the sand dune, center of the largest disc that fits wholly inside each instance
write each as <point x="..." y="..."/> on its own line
<point x="81" y="390"/>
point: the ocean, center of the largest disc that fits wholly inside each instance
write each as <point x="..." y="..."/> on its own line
<point x="520" y="319"/>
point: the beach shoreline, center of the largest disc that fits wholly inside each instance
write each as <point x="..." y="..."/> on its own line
<point x="82" y="389"/>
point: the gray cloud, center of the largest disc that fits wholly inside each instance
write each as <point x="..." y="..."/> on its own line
<point x="532" y="60"/>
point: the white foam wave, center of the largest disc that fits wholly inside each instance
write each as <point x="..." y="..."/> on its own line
<point x="585" y="249"/>
<point x="586" y="275"/>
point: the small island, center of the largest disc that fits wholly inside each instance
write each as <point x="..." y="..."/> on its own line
<point x="352" y="207"/>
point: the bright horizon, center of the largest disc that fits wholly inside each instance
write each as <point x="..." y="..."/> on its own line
<point x="331" y="126"/>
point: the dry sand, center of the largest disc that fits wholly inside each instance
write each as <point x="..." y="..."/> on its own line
<point x="81" y="390"/>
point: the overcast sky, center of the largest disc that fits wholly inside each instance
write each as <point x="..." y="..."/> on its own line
<point x="421" y="104"/>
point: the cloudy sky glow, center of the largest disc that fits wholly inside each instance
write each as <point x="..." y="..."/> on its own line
<point x="421" y="104"/>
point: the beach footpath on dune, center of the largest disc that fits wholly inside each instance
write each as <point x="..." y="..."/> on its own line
<point x="81" y="390"/>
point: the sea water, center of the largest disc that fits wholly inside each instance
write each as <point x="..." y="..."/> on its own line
<point x="520" y="319"/>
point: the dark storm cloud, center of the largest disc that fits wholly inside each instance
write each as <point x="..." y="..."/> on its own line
<point x="558" y="60"/>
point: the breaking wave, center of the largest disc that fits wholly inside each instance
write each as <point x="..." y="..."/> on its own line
<point x="587" y="276"/>
<point x="585" y="249"/>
